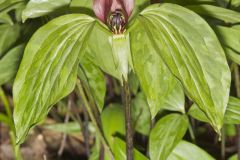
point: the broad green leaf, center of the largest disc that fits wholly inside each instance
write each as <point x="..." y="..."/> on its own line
<point x="119" y="151"/>
<point x="99" y="50"/>
<point x="230" y="39"/>
<point x="68" y="128"/>
<point x="82" y="3"/>
<point x="161" y="88"/>
<point x="8" y="36"/>
<point x="192" y="52"/>
<point x="191" y="2"/>
<point x="166" y="134"/>
<point x="235" y="3"/>
<point x="48" y="70"/>
<point x="95" y="80"/>
<point x="226" y="15"/>
<point x="6" y="18"/>
<point x="188" y="151"/>
<point x="84" y="6"/>
<point x="232" y="115"/>
<point x="38" y="8"/>
<point x="196" y="112"/>
<point x="232" y="55"/>
<point x="7" y="5"/>
<point x="113" y="122"/>
<point x="133" y="83"/>
<point x="141" y="117"/>
<point x="9" y="64"/>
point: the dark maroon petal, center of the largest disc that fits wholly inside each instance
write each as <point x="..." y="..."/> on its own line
<point x="128" y="6"/>
<point x="102" y="8"/>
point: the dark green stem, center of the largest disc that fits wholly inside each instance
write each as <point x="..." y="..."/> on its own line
<point x="223" y="143"/>
<point x="128" y="120"/>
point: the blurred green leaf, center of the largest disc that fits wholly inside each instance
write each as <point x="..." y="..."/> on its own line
<point x="141" y="117"/>
<point x="232" y="115"/>
<point x="233" y="157"/>
<point x="166" y="134"/>
<point x="230" y="39"/>
<point x="119" y="151"/>
<point x="133" y="83"/>
<point x="161" y="88"/>
<point x="48" y="69"/>
<point x="113" y="122"/>
<point x="192" y="52"/>
<point x="7" y="5"/>
<point x="226" y="15"/>
<point x="188" y="151"/>
<point x="6" y="18"/>
<point x="9" y="64"/>
<point x="40" y="8"/>
<point x="4" y="119"/>
<point x="93" y="77"/>
<point x="68" y="128"/>
<point x="8" y="36"/>
<point x="230" y="130"/>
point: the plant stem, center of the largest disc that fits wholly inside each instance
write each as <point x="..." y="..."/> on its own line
<point x="237" y="85"/>
<point x="93" y="118"/>
<point x="128" y="120"/>
<point x="16" y="148"/>
<point x="223" y="143"/>
<point x="191" y="132"/>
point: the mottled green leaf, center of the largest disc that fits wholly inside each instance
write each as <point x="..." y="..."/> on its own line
<point x="95" y="80"/>
<point x="192" y="52"/>
<point x="141" y="117"/>
<point x="188" y="151"/>
<point x="232" y="115"/>
<point x="161" y="88"/>
<point x="8" y="36"/>
<point x="40" y="8"/>
<point x="226" y="15"/>
<point x="9" y="64"/>
<point x="166" y="134"/>
<point x="48" y="70"/>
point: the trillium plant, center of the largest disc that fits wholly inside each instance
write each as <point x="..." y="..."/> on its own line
<point x="159" y="54"/>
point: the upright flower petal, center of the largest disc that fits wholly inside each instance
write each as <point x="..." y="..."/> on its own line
<point x="102" y="8"/>
<point x="128" y="6"/>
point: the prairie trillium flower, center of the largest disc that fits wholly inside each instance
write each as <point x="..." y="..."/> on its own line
<point x="114" y="13"/>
